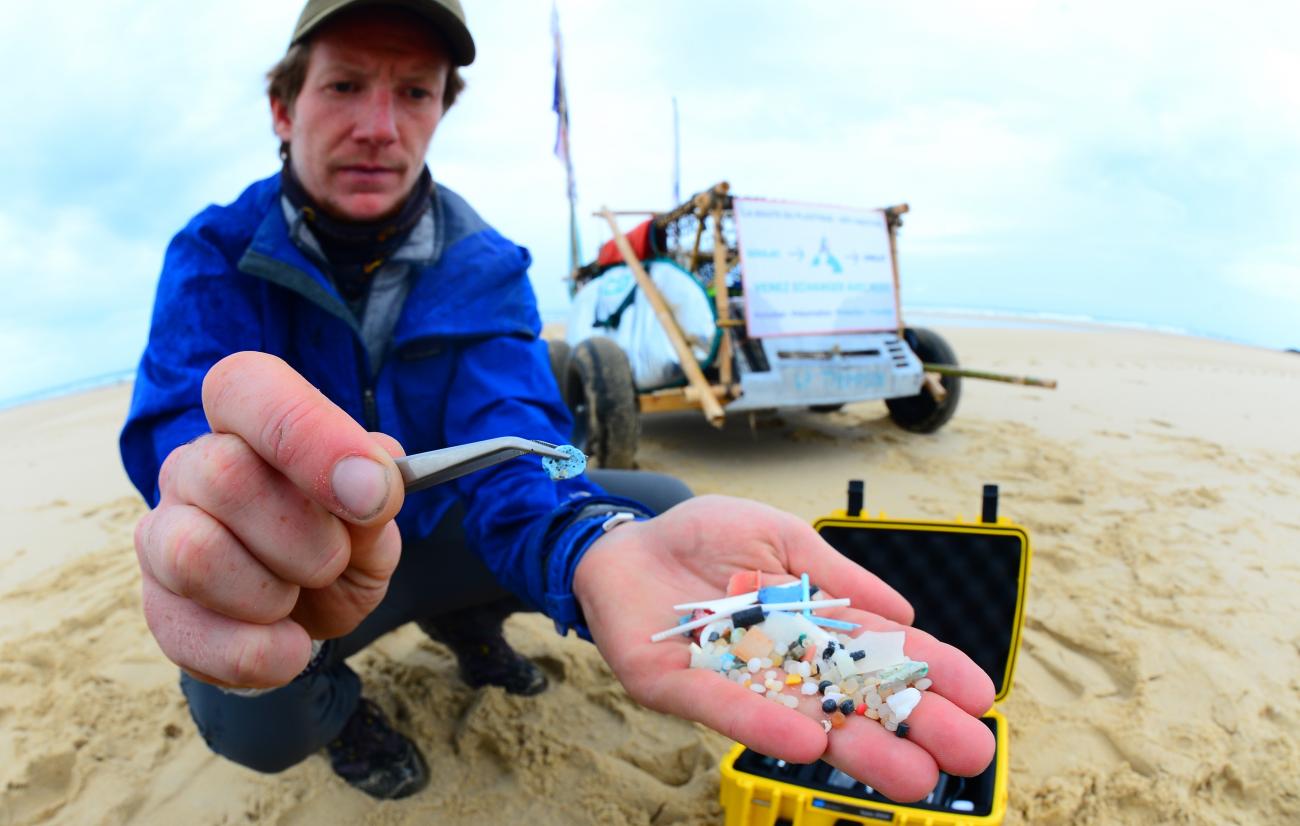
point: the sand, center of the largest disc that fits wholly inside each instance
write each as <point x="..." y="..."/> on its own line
<point x="1158" y="681"/>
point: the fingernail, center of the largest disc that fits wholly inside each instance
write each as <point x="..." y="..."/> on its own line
<point x="360" y="485"/>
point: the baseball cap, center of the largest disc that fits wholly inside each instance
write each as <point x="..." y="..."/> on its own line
<point x="446" y="15"/>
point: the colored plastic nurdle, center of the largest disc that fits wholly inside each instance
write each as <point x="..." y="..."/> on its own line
<point x="565" y="468"/>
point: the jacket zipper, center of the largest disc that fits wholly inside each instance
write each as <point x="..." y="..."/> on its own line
<point x="370" y="410"/>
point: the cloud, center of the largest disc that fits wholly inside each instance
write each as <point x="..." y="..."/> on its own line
<point x="74" y="300"/>
<point x="1073" y="158"/>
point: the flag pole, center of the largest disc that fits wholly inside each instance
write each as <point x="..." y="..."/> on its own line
<point x="677" y="156"/>
<point x="560" y="105"/>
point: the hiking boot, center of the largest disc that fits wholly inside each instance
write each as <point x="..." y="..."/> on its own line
<point x="484" y="656"/>
<point x="496" y="663"/>
<point x="374" y="758"/>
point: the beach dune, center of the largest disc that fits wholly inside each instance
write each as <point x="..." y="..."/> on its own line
<point x="1158" y="679"/>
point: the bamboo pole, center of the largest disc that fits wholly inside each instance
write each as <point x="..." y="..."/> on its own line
<point x="695" y="251"/>
<point x="712" y="410"/>
<point x="967" y="373"/>
<point x="891" y="223"/>
<point x="720" y="296"/>
<point x="934" y="386"/>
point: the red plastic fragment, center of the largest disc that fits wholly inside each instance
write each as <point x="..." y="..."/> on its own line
<point x="699" y="613"/>
<point x="744" y="582"/>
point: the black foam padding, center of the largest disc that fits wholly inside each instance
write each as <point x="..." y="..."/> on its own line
<point x="964" y="586"/>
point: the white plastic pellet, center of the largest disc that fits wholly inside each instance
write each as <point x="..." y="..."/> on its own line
<point x="808" y="689"/>
<point x="767" y="662"/>
<point x="891" y="726"/>
<point x="924" y="683"/>
<point x="790" y="700"/>
<point x="791" y="666"/>
<point x="770" y="675"/>
<point x="902" y="703"/>
<point x="754" y="665"/>
<point x="757" y="688"/>
<point x="805" y="669"/>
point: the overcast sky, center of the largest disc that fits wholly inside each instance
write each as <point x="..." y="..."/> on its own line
<point x="1128" y="161"/>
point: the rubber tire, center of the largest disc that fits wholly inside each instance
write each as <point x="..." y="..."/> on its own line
<point x="558" y="350"/>
<point x="600" y="393"/>
<point x="920" y="413"/>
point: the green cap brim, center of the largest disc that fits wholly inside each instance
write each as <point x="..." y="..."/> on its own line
<point x="445" y="15"/>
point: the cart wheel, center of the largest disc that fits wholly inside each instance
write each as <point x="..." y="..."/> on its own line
<point x="558" y="350"/>
<point x="602" y="397"/>
<point x="921" y="413"/>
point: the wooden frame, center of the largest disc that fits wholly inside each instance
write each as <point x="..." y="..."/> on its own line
<point x="699" y="393"/>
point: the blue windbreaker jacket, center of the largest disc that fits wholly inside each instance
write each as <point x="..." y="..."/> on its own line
<point x="465" y="363"/>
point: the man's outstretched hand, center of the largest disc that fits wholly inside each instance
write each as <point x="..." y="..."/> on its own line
<point x="273" y="530"/>
<point x="629" y="580"/>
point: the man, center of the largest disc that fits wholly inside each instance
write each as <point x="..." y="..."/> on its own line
<point x="347" y="310"/>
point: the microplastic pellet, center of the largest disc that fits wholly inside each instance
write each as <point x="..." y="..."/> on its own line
<point x="782" y="649"/>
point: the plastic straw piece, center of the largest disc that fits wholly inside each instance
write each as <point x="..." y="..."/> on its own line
<point x="839" y="625"/>
<point x="814" y="604"/>
<point x="718" y="605"/>
<point x="780" y="606"/>
<point x="688" y="626"/>
<point x="803" y="581"/>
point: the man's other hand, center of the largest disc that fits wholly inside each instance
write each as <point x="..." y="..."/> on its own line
<point x="273" y="530"/>
<point x="631" y="577"/>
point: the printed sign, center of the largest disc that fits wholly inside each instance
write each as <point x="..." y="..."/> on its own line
<point x="811" y="269"/>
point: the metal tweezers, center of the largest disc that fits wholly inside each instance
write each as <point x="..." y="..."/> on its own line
<point x="424" y="470"/>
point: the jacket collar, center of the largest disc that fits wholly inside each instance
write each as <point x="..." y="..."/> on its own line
<point x="475" y="286"/>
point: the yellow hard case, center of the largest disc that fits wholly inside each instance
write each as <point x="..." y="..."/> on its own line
<point x="989" y="563"/>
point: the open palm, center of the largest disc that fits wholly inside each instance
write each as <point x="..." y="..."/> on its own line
<point x="630" y="579"/>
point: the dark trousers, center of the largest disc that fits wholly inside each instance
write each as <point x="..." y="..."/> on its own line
<point x="440" y="574"/>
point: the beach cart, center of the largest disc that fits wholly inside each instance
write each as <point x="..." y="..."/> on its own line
<point x="734" y="305"/>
